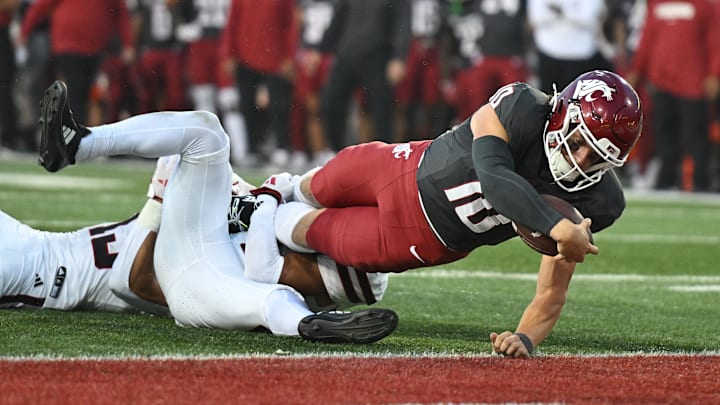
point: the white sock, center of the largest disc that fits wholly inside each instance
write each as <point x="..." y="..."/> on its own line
<point x="284" y="309"/>
<point x="287" y="217"/>
<point x="298" y="195"/>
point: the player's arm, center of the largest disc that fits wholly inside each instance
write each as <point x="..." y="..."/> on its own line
<point x="263" y="261"/>
<point x="301" y="272"/>
<point x="511" y="195"/>
<point x="143" y="281"/>
<point x="541" y="314"/>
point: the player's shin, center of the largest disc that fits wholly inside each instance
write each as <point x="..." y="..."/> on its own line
<point x="284" y="309"/>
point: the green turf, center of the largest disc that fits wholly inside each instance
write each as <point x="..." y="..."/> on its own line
<point x="629" y="298"/>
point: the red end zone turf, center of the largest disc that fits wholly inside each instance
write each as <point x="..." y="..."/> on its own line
<point x="577" y="380"/>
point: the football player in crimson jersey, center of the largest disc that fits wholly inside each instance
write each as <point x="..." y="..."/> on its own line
<point x="400" y="206"/>
<point x="194" y="259"/>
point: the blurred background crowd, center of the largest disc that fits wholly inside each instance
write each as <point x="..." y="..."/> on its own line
<point x="294" y="81"/>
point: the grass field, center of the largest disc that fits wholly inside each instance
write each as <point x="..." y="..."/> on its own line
<point x="655" y="287"/>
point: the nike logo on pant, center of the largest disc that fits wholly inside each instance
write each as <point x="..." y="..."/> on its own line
<point x="413" y="251"/>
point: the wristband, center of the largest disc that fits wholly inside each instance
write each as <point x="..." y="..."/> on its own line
<point x="267" y="191"/>
<point x="526" y="341"/>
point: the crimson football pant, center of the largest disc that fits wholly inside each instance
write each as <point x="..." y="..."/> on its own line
<point x="374" y="221"/>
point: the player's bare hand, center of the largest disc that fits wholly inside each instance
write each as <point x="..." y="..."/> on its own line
<point x="573" y="240"/>
<point x="509" y="344"/>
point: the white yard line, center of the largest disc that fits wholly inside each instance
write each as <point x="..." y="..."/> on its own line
<point x="44" y="182"/>
<point x="695" y="288"/>
<point x="346" y="355"/>
<point x="447" y="273"/>
<point x="656" y="238"/>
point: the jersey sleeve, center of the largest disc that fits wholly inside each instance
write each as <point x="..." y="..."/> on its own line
<point x="523" y="111"/>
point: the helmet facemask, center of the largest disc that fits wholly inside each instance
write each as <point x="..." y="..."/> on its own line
<point x="559" y="151"/>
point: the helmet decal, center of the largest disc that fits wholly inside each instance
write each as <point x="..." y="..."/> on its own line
<point x="586" y="89"/>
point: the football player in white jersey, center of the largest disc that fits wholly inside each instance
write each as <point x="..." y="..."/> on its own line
<point x="91" y="268"/>
<point x="194" y="259"/>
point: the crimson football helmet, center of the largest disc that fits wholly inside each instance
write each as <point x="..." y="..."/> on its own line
<point x="605" y="110"/>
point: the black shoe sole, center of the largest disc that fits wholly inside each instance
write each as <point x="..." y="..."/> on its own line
<point x="52" y="150"/>
<point x="366" y="326"/>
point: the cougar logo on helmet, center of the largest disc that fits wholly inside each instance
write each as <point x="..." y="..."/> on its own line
<point x="586" y="89"/>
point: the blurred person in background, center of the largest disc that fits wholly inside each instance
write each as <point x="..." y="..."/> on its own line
<point x="311" y="72"/>
<point x="370" y="41"/>
<point x="460" y="54"/>
<point x="490" y="38"/>
<point x="8" y="113"/>
<point x="211" y="87"/>
<point x="419" y="112"/>
<point x="160" y="65"/>
<point x="626" y="19"/>
<point x="679" y="58"/>
<point x="33" y="76"/>
<point x="567" y="36"/>
<point x="80" y="32"/>
<point x="258" y="46"/>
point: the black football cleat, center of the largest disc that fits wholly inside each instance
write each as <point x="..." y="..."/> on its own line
<point x="60" y="134"/>
<point x="366" y="326"/>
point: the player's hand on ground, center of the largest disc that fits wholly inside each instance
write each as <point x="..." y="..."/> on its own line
<point x="573" y="240"/>
<point x="164" y="169"/>
<point x="279" y="186"/>
<point x="510" y="344"/>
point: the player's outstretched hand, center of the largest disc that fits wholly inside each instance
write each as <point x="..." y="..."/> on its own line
<point x="163" y="171"/>
<point x="279" y="186"/>
<point x="573" y="240"/>
<point x="511" y="344"/>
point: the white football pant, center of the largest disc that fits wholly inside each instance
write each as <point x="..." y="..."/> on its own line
<point x="197" y="268"/>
